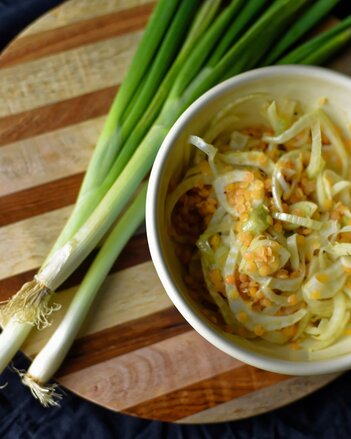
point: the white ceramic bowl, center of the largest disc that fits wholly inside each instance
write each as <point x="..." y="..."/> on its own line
<point x="307" y="85"/>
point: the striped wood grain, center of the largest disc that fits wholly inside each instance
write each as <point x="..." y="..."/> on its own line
<point x="78" y="11"/>
<point x="65" y="75"/>
<point x="135" y="353"/>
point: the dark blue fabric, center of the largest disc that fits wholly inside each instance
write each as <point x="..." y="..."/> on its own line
<point x="325" y="415"/>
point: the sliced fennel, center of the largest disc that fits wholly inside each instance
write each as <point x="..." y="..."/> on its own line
<point x="276" y="255"/>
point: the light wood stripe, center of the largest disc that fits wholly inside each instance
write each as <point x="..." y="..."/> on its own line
<point x="135" y="252"/>
<point x="74" y="35"/>
<point x="65" y="75"/>
<point x="55" y="116"/>
<point x="121" y="339"/>
<point x="138" y="376"/>
<point x="206" y="394"/>
<point x="118" y="303"/>
<point x="262" y="400"/>
<point x="25" y="244"/>
<point x="47" y="157"/>
<point x="75" y="11"/>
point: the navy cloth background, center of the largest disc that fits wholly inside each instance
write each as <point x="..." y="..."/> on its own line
<point x="325" y="414"/>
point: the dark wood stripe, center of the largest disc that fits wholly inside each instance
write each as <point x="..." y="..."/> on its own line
<point x="124" y="338"/>
<point x="51" y="117"/>
<point x="205" y="394"/>
<point x="39" y="199"/>
<point x="135" y="252"/>
<point x="31" y="47"/>
<point x="10" y="285"/>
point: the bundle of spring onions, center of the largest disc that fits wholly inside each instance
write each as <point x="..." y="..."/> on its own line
<point x="188" y="46"/>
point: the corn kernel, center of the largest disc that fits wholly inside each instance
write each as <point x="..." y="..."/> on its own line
<point x="259" y="330"/>
<point x="252" y="291"/>
<point x="257" y="194"/>
<point x="292" y="299"/>
<point x="251" y="267"/>
<point x="295" y="346"/>
<point x="289" y="331"/>
<point x="244" y="217"/>
<point x="249" y="256"/>
<point x="300" y="240"/>
<point x="297" y="212"/>
<point x="230" y="280"/>
<point x="327" y="204"/>
<point x="264" y="270"/>
<point x="244" y="184"/>
<point x="216" y="279"/>
<point x="315" y="295"/>
<point x="265" y="302"/>
<point x="263" y="160"/>
<point x="242" y="316"/>
<point x="215" y="241"/>
<point x="205" y="167"/>
<point x="322" y="277"/>
<point x="249" y="177"/>
<point x="278" y="227"/>
<point x="268" y="184"/>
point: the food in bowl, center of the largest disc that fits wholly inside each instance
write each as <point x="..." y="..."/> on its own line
<point x="261" y="221"/>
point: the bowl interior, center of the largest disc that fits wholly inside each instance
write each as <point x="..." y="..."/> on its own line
<point x="304" y="84"/>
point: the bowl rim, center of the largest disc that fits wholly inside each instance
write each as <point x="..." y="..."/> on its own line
<point x="289" y="367"/>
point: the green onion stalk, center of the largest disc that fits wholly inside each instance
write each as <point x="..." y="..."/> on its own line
<point x="31" y="305"/>
<point x="49" y="359"/>
<point x="314" y="50"/>
<point x="164" y="34"/>
<point x="67" y="258"/>
<point x="212" y="51"/>
<point x="310" y="18"/>
<point x="101" y="173"/>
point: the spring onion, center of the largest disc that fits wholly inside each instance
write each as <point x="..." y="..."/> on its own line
<point x="50" y="358"/>
<point x="316" y="44"/>
<point x="66" y="259"/>
<point x="312" y="16"/>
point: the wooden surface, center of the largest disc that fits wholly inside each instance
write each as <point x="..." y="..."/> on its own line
<point x="135" y="353"/>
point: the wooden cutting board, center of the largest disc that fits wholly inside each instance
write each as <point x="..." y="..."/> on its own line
<point x="135" y="353"/>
